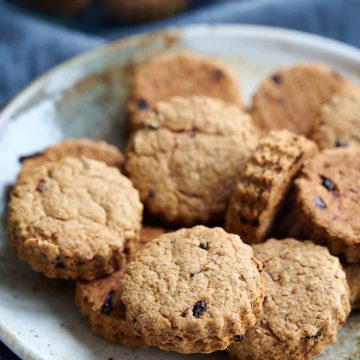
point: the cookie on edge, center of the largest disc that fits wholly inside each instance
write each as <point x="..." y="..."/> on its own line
<point x="327" y="200"/>
<point x="306" y="302"/>
<point x="193" y="290"/>
<point x="181" y="74"/>
<point x="74" y="218"/>
<point x="96" y="150"/>
<point x="292" y="97"/>
<point x="187" y="157"/>
<point x="353" y="278"/>
<point x="264" y="183"/>
<point x="338" y="123"/>
<point x="100" y="301"/>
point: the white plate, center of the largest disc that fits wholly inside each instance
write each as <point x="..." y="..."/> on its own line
<point x="85" y="98"/>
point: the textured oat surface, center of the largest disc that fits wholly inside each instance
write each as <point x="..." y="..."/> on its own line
<point x="73" y="218"/>
<point x="327" y="201"/>
<point x="292" y="98"/>
<point x="306" y="302"/>
<point x="181" y="74"/>
<point x="262" y="186"/>
<point x="338" y="122"/>
<point x="186" y="160"/>
<point x="353" y="278"/>
<point x="193" y="290"/>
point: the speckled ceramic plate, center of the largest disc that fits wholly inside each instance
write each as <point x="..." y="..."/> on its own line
<point x="86" y="98"/>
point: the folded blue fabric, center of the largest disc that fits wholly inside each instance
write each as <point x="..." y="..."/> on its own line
<point x="31" y="45"/>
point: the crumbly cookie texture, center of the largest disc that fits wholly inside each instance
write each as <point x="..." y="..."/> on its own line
<point x="327" y="198"/>
<point x="263" y="184"/>
<point x="306" y="302"/>
<point x="292" y="97"/>
<point x="338" y="123"/>
<point x="96" y="150"/>
<point x="74" y="218"/>
<point x="186" y="160"/>
<point x="353" y="278"/>
<point x="193" y="290"/>
<point x="100" y="301"/>
<point x="181" y="74"/>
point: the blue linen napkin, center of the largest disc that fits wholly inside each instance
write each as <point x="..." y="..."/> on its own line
<point x="30" y="45"/>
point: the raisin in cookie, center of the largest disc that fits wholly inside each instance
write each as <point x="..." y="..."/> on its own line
<point x="181" y="74"/>
<point x="100" y="301"/>
<point x="96" y="150"/>
<point x="292" y="98"/>
<point x="327" y="201"/>
<point x="306" y="302"/>
<point x="194" y="290"/>
<point x="186" y="159"/>
<point x="262" y="186"/>
<point x="73" y="218"/>
<point x="338" y="123"/>
<point x="353" y="278"/>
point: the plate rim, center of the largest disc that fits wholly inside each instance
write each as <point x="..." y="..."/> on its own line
<point x="301" y="38"/>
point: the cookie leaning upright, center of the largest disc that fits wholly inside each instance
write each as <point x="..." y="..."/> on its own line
<point x="353" y="278"/>
<point x="292" y="98"/>
<point x="338" y="123"/>
<point x="327" y="201"/>
<point x="194" y="290"/>
<point x="263" y="184"/>
<point x="306" y="302"/>
<point x="74" y="218"/>
<point x="186" y="158"/>
<point x="181" y="74"/>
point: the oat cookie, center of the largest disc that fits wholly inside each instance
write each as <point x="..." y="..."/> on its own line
<point x="186" y="159"/>
<point x="353" y="278"/>
<point x="181" y="74"/>
<point x="100" y="301"/>
<point x="306" y="302"/>
<point x="263" y="185"/>
<point x="292" y="98"/>
<point x="193" y="290"/>
<point x="96" y="150"/>
<point x="338" y="123"/>
<point x="74" y="218"/>
<point x="327" y="201"/>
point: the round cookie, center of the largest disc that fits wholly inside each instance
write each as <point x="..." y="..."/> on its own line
<point x="186" y="159"/>
<point x="96" y="150"/>
<point x="338" y="123"/>
<point x="181" y="74"/>
<point x="264" y="183"/>
<point x="100" y="301"/>
<point x="193" y="290"/>
<point x="292" y="98"/>
<point x="327" y="199"/>
<point x="306" y="302"/>
<point x="353" y="278"/>
<point x="131" y="11"/>
<point x="74" y="218"/>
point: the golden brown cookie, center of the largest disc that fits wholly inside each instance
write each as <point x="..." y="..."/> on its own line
<point x="134" y="11"/>
<point x="353" y="278"/>
<point x="186" y="158"/>
<point x="100" y="301"/>
<point x="96" y="150"/>
<point x="181" y="74"/>
<point x="292" y="97"/>
<point x="263" y="184"/>
<point x="339" y="122"/>
<point x="193" y="290"/>
<point x="327" y="201"/>
<point x="74" y="218"/>
<point x="65" y="8"/>
<point x="306" y="302"/>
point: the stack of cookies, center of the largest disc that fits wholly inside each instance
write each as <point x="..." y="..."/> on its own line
<point x="250" y="237"/>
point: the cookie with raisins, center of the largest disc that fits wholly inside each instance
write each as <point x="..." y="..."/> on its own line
<point x="193" y="290"/>
<point x="327" y="201"/>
